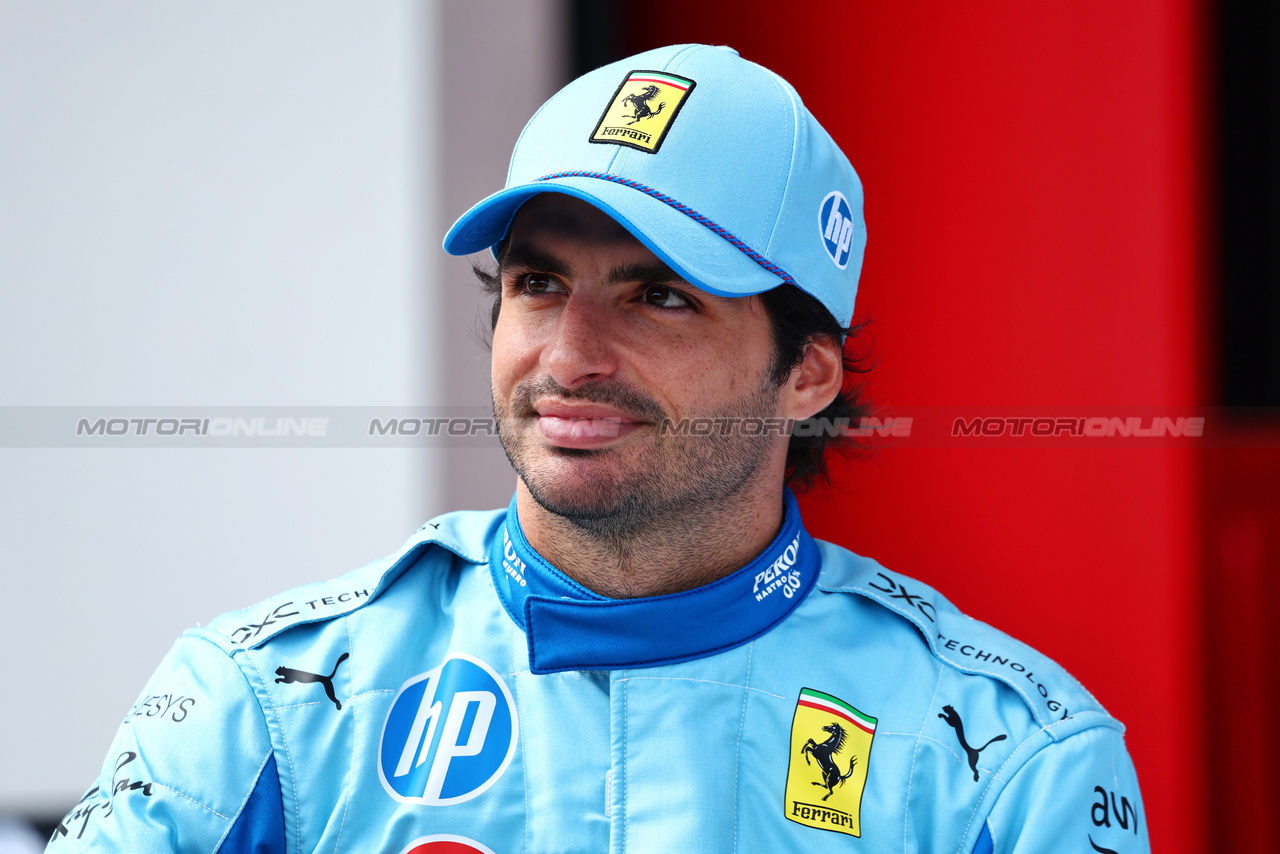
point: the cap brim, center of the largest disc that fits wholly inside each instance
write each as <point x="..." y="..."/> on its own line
<point x="701" y="256"/>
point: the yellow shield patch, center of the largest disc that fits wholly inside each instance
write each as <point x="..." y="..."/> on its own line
<point x="643" y="110"/>
<point x="830" y="752"/>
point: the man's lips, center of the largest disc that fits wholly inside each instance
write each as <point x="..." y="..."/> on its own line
<point x="584" y="427"/>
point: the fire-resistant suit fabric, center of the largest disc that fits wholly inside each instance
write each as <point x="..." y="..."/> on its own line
<point x="464" y="696"/>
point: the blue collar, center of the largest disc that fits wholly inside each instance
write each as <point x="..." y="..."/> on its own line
<point x="571" y="628"/>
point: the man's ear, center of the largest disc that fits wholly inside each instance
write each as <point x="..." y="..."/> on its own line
<point x="816" y="381"/>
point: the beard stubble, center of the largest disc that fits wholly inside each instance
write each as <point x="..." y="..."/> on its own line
<point x="651" y="480"/>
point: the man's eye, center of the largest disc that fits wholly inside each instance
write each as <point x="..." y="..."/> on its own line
<point x="539" y="283"/>
<point x="663" y="297"/>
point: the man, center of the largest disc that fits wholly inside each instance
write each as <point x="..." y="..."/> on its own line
<point x="646" y="651"/>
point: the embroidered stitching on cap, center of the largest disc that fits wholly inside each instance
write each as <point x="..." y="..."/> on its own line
<point x="687" y="211"/>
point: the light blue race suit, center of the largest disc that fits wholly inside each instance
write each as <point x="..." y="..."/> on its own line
<point x="464" y="696"/>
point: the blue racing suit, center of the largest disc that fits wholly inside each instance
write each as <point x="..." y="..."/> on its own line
<point x="464" y="696"/>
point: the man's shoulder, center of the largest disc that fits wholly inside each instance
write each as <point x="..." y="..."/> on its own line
<point x="464" y="534"/>
<point x="939" y="630"/>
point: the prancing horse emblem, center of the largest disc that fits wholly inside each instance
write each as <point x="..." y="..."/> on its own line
<point x="824" y="755"/>
<point x="640" y="103"/>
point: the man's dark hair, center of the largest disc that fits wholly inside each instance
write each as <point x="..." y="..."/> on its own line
<point x="796" y="318"/>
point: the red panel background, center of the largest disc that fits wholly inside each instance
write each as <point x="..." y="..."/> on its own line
<point x="1034" y="240"/>
<point x="1241" y="512"/>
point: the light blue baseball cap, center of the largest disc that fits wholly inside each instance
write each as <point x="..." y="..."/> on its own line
<point x="709" y="160"/>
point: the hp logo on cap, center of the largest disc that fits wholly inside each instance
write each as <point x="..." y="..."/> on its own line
<point x="835" y="224"/>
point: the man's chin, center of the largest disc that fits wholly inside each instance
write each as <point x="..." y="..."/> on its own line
<point x="583" y="487"/>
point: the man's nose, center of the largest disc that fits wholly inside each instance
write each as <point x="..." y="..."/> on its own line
<point x="580" y="349"/>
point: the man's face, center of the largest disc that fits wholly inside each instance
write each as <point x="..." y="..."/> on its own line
<point x="597" y="343"/>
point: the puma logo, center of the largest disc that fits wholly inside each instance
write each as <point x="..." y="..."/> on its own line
<point x="288" y="674"/>
<point x="952" y="717"/>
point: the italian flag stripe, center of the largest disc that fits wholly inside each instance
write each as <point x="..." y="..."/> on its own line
<point x="827" y="703"/>
<point x="653" y="77"/>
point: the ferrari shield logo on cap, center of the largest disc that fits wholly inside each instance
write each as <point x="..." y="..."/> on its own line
<point x="643" y="110"/>
<point x="830" y="751"/>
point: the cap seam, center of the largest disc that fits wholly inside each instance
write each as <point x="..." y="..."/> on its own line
<point x="784" y="185"/>
<point x="680" y="54"/>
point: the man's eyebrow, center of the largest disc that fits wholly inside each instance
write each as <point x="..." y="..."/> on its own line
<point x="527" y="257"/>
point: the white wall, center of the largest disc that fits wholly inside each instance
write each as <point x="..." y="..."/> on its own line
<point x="210" y="205"/>
<point x="201" y="204"/>
<point x="501" y="60"/>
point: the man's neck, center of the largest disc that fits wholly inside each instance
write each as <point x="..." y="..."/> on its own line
<point x="679" y="551"/>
